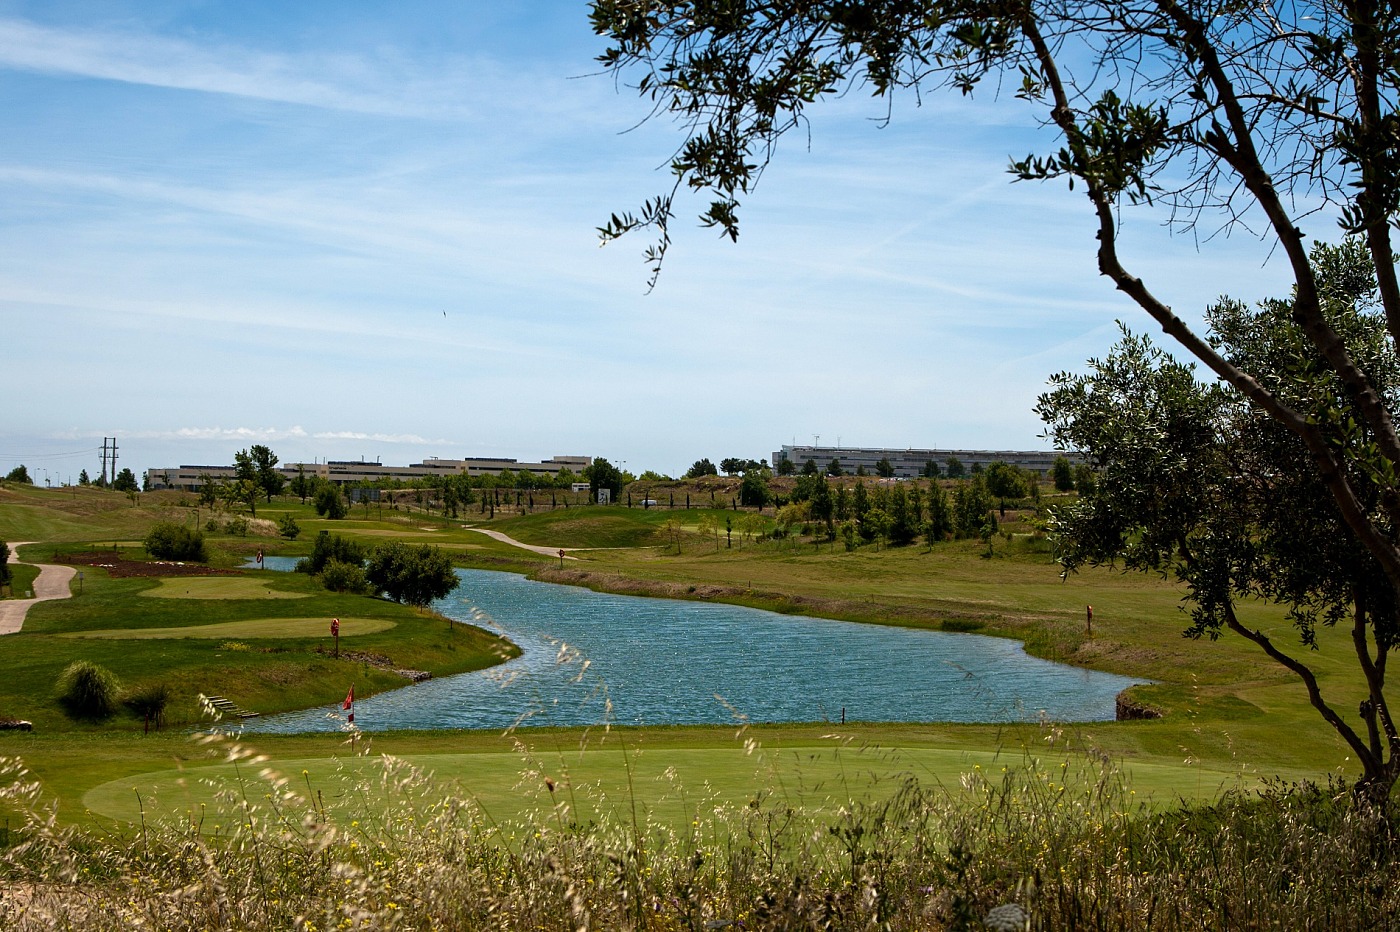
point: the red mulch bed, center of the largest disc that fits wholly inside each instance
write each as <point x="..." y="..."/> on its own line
<point x="115" y="565"/>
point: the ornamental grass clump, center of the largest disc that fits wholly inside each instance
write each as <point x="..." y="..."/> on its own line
<point x="88" y="692"/>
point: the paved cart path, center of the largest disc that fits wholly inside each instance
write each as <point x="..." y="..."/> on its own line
<point x="53" y="582"/>
<point x="505" y="539"/>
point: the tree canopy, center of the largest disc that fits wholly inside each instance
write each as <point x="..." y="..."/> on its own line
<point x="1195" y="483"/>
<point x="415" y="575"/>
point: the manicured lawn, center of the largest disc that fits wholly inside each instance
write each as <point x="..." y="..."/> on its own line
<point x="217" y="587"/>
<point x="251" y="628"/>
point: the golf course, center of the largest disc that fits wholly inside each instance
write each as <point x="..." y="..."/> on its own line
<point x="1214" y="721"/>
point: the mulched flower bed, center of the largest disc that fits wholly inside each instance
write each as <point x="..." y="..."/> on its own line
<point x="115" y="565"/>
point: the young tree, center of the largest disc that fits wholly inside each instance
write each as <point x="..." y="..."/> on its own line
<point x="5" y="572"/>
<point x="940" y="524"/>
<point x="287" y="526"/>
<point x="904" y="526"/>
<point x="1063" y="473"/>
<point x="955" y="468"/>
<point x="786" y="467"/>
<point x="884" y="469"/>
<point x="83" y="478"/>
<point x="302" y="485"/>
<point x="930" y="470"/>
<point x="1006" y="481"/>
<point x="971" y="507"/>
<point x="834" y="469"/>
<point x="19" y="474"/>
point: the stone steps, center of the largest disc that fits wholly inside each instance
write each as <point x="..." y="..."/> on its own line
<point x="229" y="708"/>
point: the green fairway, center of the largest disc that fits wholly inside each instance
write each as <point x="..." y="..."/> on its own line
<point x="667" y="783"/>
<point x="252" y="628"/>
<point x="216" y="587"/>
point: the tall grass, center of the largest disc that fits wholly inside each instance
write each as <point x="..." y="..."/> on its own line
<point x="1027" y="846"/>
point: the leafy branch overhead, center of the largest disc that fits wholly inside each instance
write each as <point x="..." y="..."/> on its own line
<point x="1221" y="116"/>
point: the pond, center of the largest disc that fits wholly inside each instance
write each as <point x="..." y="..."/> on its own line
<point x="589" y="658"/>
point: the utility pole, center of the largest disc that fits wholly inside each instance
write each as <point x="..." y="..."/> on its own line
<point x="106" y="452"/>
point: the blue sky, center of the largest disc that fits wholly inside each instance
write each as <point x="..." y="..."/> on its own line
<point x="368" y="230"/>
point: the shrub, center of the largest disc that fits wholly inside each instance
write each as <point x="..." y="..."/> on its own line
<point x="88" y="692"/>
<point x="330" y="503"/>
<point x="344" y="577"/>
<point x="237" y="525"/>
<point x="287" y="526"/>
<point x="148" y="703"/>
<point x="330" y="547"/>
<point x="170" y="541"/>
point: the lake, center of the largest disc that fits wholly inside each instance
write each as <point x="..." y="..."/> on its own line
<point x="589" y="658"/>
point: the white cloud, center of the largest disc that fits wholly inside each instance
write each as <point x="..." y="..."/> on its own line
<point x="335" y="81"/>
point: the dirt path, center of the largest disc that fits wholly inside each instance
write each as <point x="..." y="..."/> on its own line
<point x="505" y="539"/>
<point x="53" y="582"/>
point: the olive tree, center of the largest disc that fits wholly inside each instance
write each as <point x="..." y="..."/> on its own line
<point x="1195" y="483"/>
<point x="1227" y="115"/>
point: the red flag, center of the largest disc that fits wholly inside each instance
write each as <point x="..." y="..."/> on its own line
<point x="349" y="702"/>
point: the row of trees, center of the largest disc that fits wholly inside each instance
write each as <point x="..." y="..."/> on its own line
<point x="902" y="513"/>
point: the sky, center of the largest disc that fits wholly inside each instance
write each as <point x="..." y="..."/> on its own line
<point x="352" y="230"/>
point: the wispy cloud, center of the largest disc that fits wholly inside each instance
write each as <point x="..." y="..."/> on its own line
<point x="382" y="86"/>
<point x="272" y="435"/>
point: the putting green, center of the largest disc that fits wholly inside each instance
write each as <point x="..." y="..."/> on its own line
<point x="667" y="784"/>
<point x="251" y="628"/>
<point x="217" y="587"/>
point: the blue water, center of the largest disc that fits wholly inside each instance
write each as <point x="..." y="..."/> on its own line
<point x="589" y="658"/>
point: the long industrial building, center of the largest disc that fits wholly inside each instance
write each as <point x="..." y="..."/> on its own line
<point x="358" y="472"/>
<point x="910" y="463"/>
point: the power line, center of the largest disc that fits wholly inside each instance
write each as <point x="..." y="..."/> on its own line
<point x="47" y="456"/>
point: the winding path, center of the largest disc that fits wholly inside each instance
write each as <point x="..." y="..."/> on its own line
<point x="506" y="539"/>
<point x="53" y="582"/>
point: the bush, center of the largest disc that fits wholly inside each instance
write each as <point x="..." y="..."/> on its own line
<point x="330" y="503"/>
<point x="338" y="576"/>
<point x="237" y="525"/>
<point x="148" y="703"/>
<point x="88" y="692"/>
<point x="330" y="547"/>
<point x="170" y="541"/>
<point x="287" y="526"/>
